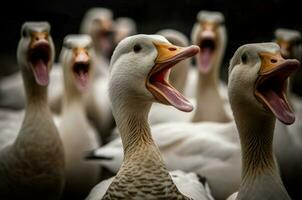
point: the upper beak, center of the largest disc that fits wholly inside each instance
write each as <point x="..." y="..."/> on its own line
<point x="269" y="62"/>
<point x="166" y="52"/>
<point x="39" y="38"/>
<point x="81" y="55"/>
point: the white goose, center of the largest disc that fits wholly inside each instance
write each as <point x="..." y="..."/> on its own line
<point x="98" y="23"/>
<point x="257" y="93"/>
<point x="288" y="139"/>
<point x="123" y="27"/>
<point x="77" y="135"/>
<point x="147" y="60"/>
<point x="11" y="87"/>
<point x="209" y="34"/>
<point x="190" y="147"/>
<point x="32" y="162"/>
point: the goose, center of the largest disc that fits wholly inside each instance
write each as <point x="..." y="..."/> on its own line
<point x="98" y="23"/>
<point x="209" y="33"/>
<point x="257" y="94"/>
<point x="11" y="87"/>
<point x="32" y="159"/>
<point x="147" y="59"/>
<point x="287" y="140"/>
<point x="123" y="27"/>
<point x="180" y="146"/>
<point x="77" y="134"/>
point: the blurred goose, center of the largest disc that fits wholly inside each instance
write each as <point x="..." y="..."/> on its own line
<point x="288" y="139"/>
<point x="147" y="60"/>
<point x="98" y="23"/>
<point x="257" y="93"/>
<point x="123" y="27"/>
<point x="211" y="94"/>
<point x="77" y="135"/>
<point x="32" y="159"/>
<point x="12" y="93"/>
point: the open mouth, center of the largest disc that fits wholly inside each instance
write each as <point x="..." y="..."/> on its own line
<point x="39" y="57"/>
<point x="271" y="89"/>
<point x="158" y="81"/>
<point x="207" y="49"/>
<point x="81" y="73"/>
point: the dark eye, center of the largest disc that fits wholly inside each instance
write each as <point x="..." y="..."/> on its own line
<point x="23" y="33"/>
<point x="137" y="48"/>
<point x="244" y="58"/>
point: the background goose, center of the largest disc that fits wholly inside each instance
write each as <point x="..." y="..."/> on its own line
<point x="257" y="93"/>
<point x="32" y="162"/>
<point x="98" y="23"/>
<point x="77" y="135"/>
<point x="287" y="140"/>
<point x="12" y="94"/>
<point x="211" y="95"/>
<point x="123" y="27"/>
<point x="145" y="59"/>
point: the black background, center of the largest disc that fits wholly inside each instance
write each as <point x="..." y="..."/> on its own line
<point x="246" y="21"/>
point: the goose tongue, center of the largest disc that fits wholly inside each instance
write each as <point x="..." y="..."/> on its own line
<point x="279" y="107"/>
<point x="205" y="59"/>
<point x="174" y="97"/>
<point x="41" y="72"/>
<point x="83" y="78"/>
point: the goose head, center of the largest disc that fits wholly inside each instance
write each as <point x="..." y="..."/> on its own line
<point x="179" y="73"/>
<point x="210" y="35"/>
<point x="77" y="61"/>
<point x="36" y="52"/>
<point x="257" y="80"/>
<point x="98" y="23"/>
<point x="123" y="27"/>
<point x="140" y="68"/>
<point x="289" y="42"/>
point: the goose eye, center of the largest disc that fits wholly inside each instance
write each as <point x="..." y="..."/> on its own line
<point x="244" y="58"/>
<point x="23" y="33"/>
<point x="137" y="48"/>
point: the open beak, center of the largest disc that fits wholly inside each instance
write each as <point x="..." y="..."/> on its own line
<point x="158" y="79"/>
<point x="271" y="85"/>
<point x="39" y="55"/>
<point x="207" y="44"/>
<point x="81" y="67"/>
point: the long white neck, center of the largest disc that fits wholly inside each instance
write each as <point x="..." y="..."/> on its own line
<point x="209" y="104"/>
<point x="260" y="177"/>
<point x="38" y="136"/>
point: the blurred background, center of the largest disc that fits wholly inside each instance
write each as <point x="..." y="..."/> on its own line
<point x="246" y="21"/>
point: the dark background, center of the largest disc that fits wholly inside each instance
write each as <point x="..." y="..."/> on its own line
<point x="246" y="20"/>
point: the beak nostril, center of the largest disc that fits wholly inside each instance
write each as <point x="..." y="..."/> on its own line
<point x="172" y="49"/>
<point x="274" y="61"/>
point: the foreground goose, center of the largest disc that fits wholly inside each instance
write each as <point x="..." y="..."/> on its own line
<point x="257" y="93"/>
<point x="210" y="35"/>
<point x="77" y="135"/>
<point x="32" y="162"/>
<point x="288" y="139"/>
<point x="140" y="69"/>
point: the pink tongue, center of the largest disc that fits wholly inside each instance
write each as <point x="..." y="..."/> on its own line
<point x="205" y="58"/>
<point x="174" y="98"/>
<point x="83" y="79"/>
<point x="279" y="107"/>
<point x="41" y="73"/>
